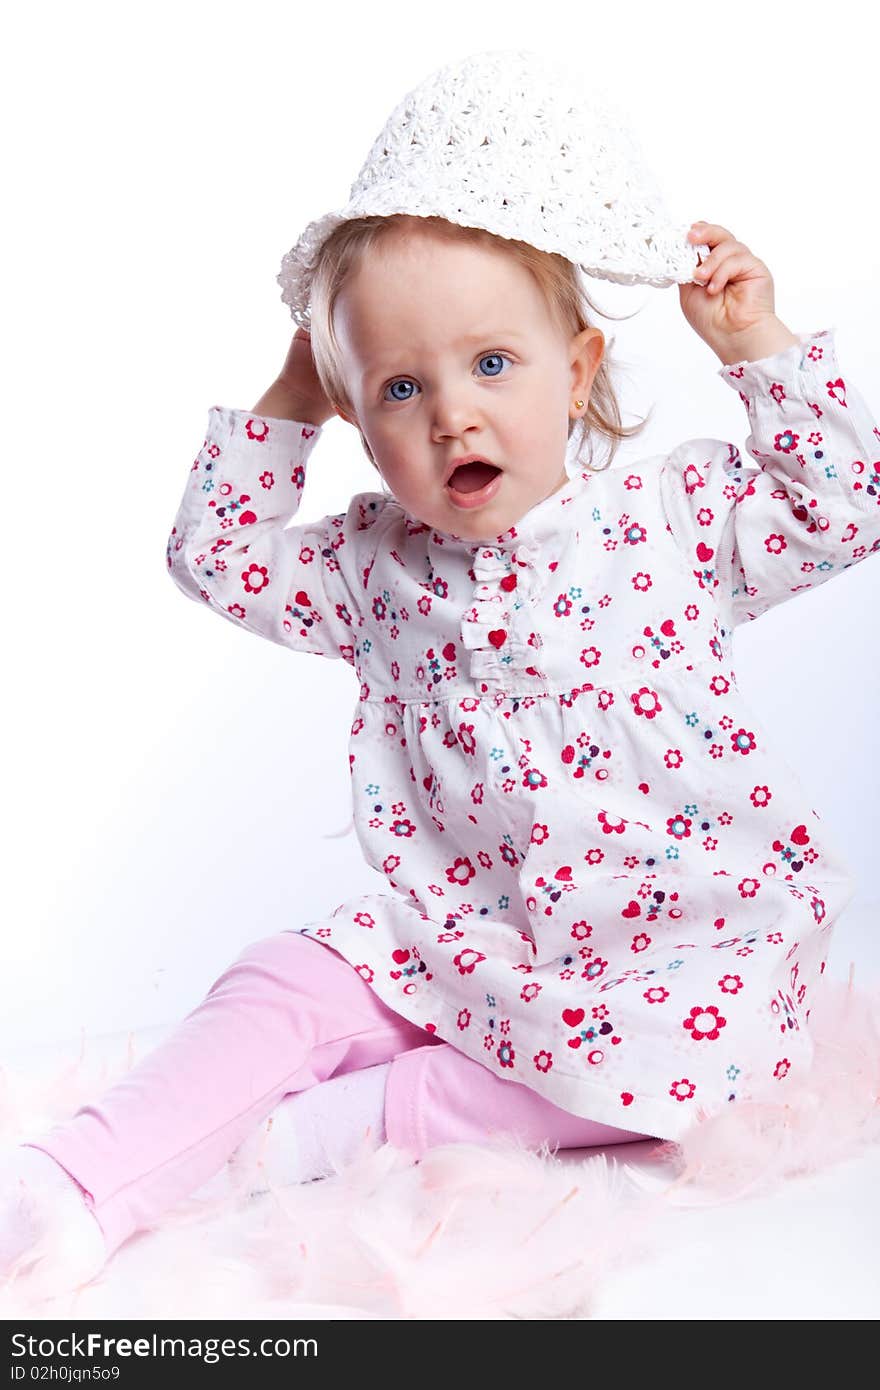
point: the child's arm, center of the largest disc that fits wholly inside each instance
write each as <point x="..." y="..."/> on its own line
<point x="756" y="535"/>
<point x="810" y="506"/>
<point x="229" y="547"/>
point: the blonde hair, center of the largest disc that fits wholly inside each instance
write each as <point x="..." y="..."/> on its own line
<point x="341" y="255"/>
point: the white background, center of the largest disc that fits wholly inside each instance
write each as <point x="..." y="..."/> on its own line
<point x="168" y="779"/>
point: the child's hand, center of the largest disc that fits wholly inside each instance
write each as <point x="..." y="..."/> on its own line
<point x="298" y="382"/>
<point x="734" y="296"/>
<point x="299" y="374"/>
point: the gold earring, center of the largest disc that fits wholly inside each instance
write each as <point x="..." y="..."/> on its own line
<point x="578" y="405"/>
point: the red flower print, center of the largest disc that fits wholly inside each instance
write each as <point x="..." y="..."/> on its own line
<point x="464" y="1019"/>
<point x="466" y="739"/>
<point x="257" y="429"/>
<point x="786" y="442"/>
<point x="543" y="1061"/>
<point x="646" y="702"/>
<point x="782" y="1068"/>
<point x="462" y="871"/>
<point x="611" y="825"/>
<point x="640" y="942"/>
<point x="581" y="930"/>
<point x="743" y="741"/>
<point x="775" y="544"/>
<point x="704" y="1022"/>
<point x="534" y="779"/>
<point x="635" y="534"/>
<point x="656" y="995"/>
<point x="255" y="579"/>
<point x="466" y="960"/>
<point x="730" y="984"/>
<point x="365" y="972"/>
<point x="402" y="828"/>
<point x="682" y="1090"/>
<point x="693" y="478"/>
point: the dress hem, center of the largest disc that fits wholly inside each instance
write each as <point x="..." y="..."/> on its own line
<point x="655" y="1119"/>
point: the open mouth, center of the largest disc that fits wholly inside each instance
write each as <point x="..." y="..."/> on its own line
<point x="473" y="483"/>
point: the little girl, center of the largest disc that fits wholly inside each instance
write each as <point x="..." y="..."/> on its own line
<point x="607" y="905"/>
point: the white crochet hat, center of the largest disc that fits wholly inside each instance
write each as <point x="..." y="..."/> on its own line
<point x="508" y="140"/>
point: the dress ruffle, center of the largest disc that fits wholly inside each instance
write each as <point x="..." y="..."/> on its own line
<point x="495" y="628"/>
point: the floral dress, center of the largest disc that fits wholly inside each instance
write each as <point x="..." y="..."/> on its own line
<point x="600" y="879"/>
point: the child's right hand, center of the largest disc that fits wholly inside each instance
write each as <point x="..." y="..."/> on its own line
<point x="296" y="393"/>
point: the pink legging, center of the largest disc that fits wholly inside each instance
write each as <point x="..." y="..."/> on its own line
<point x="289" y="1013"/>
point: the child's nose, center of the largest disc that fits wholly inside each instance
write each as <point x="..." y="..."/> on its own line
<point x="454" y="411"/>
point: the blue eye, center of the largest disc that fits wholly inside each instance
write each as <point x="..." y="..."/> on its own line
<point x="497" y="357"/>
<point x="400" y="382"/>
<point x="494" y="357"/>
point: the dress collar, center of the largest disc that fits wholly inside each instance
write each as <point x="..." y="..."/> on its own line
<point x="544" y="528"/>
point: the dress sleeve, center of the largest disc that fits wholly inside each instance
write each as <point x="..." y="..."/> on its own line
<point x="229" y="547"/>
<point x="758" y="535"/>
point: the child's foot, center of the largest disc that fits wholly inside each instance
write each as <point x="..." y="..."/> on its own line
<point x="50" y="1242"/>
<point x="310" y="1134"/>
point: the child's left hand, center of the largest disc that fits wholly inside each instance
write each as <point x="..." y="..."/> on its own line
<point x="735" y="290"/>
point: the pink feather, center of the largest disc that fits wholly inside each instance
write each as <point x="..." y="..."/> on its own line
<point x="470" y="1232"/>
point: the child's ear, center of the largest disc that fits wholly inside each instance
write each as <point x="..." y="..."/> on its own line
<point x="587" y="351"/>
